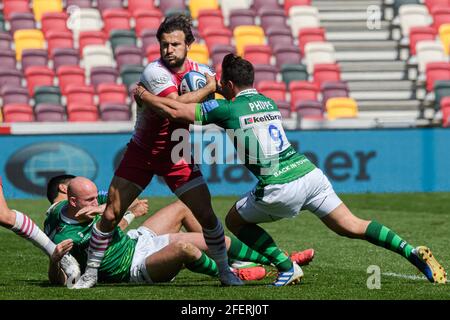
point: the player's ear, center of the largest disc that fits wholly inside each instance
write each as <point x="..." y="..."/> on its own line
<point x="62" y="188"/>
<point x="72" y="201"/>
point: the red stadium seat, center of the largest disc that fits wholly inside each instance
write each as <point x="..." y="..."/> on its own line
<point x="134" y="5"/>
<point x="11" y="6"/>
<point x="290" y="3"/>
<point x="38" y="76"/>
<point x="326" y="72"/>
<point x="417" y="34"/>
<point x="445" y="108"/>
<point x="306" y="35"/>
<point x="147" y="19"/>
<point x="258" y="54"/>
<point x="152" y="52"/>
<point x="111" y="92"/>
<point x="436" y="3"/>
<point x="70" y="75"/>
<point x="217" y="36"/>
<point x="272" y="89"/>
<point x="54" y="21"/>
<point x="440" y="15"/>
<point x="301" y="91"/>
<point x="79" y="94"/>
<point x="436" y="71"/>
<point x="115" y="19"/>
<point x="210" y="18"/>
<point x="17" y="112"/>
<point x="81" y="112"/>
<point x="58" y="39"/>
<point x="91" y="37"/>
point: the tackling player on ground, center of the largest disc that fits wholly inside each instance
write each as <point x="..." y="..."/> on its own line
<point x="287" y="181"/>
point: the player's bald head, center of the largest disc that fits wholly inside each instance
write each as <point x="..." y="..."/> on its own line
<point x="80" y="186"/>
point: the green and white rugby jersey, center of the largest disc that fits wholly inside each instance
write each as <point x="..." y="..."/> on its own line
<point x="258" y="136"/>
<point x="115" y="266"/>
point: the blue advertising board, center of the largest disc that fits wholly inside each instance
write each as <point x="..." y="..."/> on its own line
<point x="355" y="161"/>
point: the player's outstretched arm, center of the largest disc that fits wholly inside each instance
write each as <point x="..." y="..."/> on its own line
<point x="166" y="107"/>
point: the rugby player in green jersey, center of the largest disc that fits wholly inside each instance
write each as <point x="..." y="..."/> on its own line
<point x="287" y="181"/>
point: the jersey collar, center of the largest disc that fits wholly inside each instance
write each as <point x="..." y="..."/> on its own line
<point x="247" y="91"/>
<point x="65" y="218"/>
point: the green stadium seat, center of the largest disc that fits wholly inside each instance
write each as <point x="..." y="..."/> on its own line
<point x="122" y="38"/>
<point x="290" y="72"/>
<point x="130" y="74"/>
<point x="2" y="22"/>
<point x="399" y="3"/>
<point x="47" y="94"/>
<point x="441" y="90"/>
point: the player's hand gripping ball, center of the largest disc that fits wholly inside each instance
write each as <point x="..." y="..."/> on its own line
<point x="192" y="81"/>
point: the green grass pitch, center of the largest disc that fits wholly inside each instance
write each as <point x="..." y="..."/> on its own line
<point x="339" y="270"/>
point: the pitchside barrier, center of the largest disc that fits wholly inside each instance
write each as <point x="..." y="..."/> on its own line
<point x="356" y="161"/>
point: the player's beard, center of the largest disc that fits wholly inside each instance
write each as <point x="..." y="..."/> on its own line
<point x="174" y="63"/>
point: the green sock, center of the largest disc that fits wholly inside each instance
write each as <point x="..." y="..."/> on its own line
<point x="204" y="265"/>
<point x="382" y="236"/>
<point x="258" y="239"/>
<point x="240" y="251"/>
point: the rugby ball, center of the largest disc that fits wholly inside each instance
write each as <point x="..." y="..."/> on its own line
<point x="192" y="81"/>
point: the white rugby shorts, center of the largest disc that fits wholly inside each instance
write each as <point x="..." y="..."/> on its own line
<point x="311" y="192"/>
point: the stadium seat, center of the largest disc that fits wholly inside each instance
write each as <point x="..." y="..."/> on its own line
<point x="398" y="3"/>
<point x="290" y="72"/>
<point x="5" y="40"/>
<point x="59" y="39"/>
<point x="444" y="35"/>
<point x="196" y="5"/>
<point x="436" y="71"/>
<point x="241" y="17"/>
<point x="429" y="51"/>
<point x="217" y="36"/>
<point x="413" y="15"/>
<point x="445" y="107"/>
<point x="54" y="21"/>
<point x="334" y="89"/>
<point x="34" y="57"/>
<point x="199" y="53"/>
<point x="21" y="21"/>
<point x="326" y="72"/>
<point x="436" y="3"/>
<point x="302" y="90"/>
<point x="111" y="111"/>
<point x="103" y="5"/>
<point x="68" y="75"/>
<point x="115" y="19"/>
<point x="18" y="6"/>
<point x="84" y="19"/>
<point x="46" y="112"/>
<point x="10" y="77"/>
<point x="440" y="15"/>
<point x="2" y="25"/>
<point x="13" y="94"/>
<point x="97" y="55"/>
<point x="148" y="37"/>
<point x="79" y="94"/>
<point x="79" y="3"/>
<point x="87" y="38"/>
<point x="16" y="112"/>
<point x="65" y="57"/>
<point x="111" y="92"/>
<point x="279" y="37"/>
<point x="441" y="89"/>
<point x="229" y="5"/>
<point x="47" y="94"/>
<point x="291" y="3"/>
<point x="271" y="17"/>
<point x="42" y="6"/>
<point x="318" y="52"/>
<point x="287" y="54"/>
<point x="130" y="74"/>
<point x="122" y="38"/>
<point x="265" y="72"/>
<point x="28" y="39"/>
<point x="272" y="89"/>
<point x="152" y="52"/>
<point x="417" y="34"/>
<point x="307" y="35"/>
<point x="38" y="76"/>
<point x="309" y="109"/>
<point x="134" y="5"/>
<point x="7" y="59"/>
<point x="101" y="75"/>
<point x="303" y="17"/>
<point x="341" y="108"/>
<point x="220" y="51"/>
<point x="284" y="108"/>
<point x="128" y="55"/>
<point x="211" y="19"/>
<point x="258" y="54"/>
<point x="245" y="35"/>
<point x="147" y="19"/>
<point x="80" y="112"/>
<point x="270" y="4"/>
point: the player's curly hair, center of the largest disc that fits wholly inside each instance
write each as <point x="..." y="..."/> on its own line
<point x="177" y="22"/>
<point x="238" y="70"/>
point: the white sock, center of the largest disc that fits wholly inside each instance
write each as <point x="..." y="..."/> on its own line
<point x="27" y="229"/>
<point x="215" y="240"/>
<point x="98" y="244"/>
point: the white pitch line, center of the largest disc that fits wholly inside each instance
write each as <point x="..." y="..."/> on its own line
<point x="405" y="276"/>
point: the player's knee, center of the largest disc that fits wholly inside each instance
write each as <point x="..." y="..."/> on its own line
<point x="186" y="249"/>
